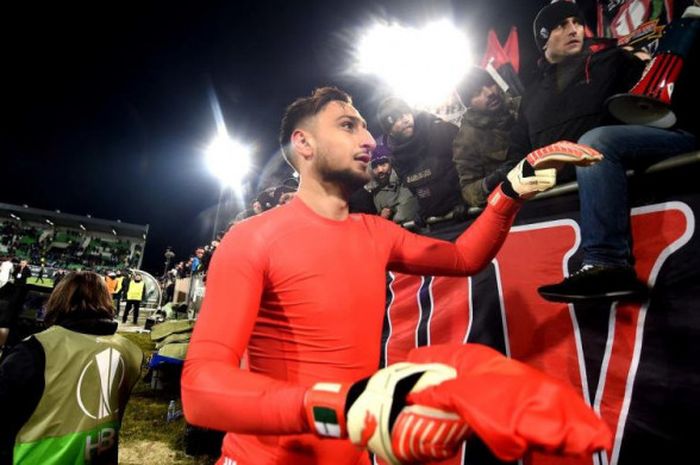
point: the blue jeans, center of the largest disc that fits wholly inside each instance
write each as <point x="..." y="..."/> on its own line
<point x="605" y="221"/>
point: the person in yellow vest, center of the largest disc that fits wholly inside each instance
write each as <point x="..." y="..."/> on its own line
<point x="63" y="391"/>
<point x="135" y="292"/>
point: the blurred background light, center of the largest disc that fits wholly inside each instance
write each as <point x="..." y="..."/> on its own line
<point x="422" y="66"/>
<point x="228" y="160"/>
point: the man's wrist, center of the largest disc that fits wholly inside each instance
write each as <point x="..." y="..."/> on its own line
<point x="324" y="406"/>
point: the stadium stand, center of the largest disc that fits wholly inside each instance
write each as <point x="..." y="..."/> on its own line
<point x="69" y="242"/>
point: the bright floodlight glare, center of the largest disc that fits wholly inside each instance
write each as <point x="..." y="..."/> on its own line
<point x="422" y="66"/>
<point x="228" y="160"/>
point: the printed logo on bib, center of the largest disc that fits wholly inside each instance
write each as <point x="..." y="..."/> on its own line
<point x="106" y="371"/>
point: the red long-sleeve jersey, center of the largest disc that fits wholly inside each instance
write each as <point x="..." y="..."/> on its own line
<point x="305" y="295"/>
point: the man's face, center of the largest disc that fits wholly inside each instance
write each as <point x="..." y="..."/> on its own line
<point x="564" y="41"/>
<point x="489" y="99"/>
<point x="342" y="146"/>
<point x="23" y="263"/>
<point x="382" y="171"/>
<point x="402" y="130"/>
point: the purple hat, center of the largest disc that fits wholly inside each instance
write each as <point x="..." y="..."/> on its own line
<point x="380" y="154"/>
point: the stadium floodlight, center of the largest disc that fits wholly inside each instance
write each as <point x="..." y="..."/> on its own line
<point x="228" y="160"/>
<point x="422" y="66"/>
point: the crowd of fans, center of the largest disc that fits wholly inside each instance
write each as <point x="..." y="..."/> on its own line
<point x="426" y="169"/>
<point x="66" y="249"/>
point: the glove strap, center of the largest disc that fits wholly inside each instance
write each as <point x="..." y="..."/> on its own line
<point x="324" y="404"/>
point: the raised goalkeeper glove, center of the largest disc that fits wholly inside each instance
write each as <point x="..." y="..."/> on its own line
<point x="563" y="153"/>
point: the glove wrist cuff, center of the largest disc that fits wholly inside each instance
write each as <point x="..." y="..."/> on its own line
<point x="324" y="406"/>
<point x="503" y="203"/>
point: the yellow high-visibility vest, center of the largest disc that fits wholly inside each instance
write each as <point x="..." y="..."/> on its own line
<point x="135" y="291"/>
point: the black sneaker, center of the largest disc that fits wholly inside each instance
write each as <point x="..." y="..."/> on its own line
<point x="593" y="282"/>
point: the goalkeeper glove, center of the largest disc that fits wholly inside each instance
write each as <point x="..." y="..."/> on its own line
<point x="373" y="414"/>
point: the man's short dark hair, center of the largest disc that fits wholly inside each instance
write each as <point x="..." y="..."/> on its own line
<point x="304" y="108"/>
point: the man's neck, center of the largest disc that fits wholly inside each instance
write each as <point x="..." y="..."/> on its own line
<point x="326" y="200"/>
<point x="564" y="60"/>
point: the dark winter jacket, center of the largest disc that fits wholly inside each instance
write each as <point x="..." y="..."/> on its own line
<point x="424" y="165"/>
<point x="569" y="99"/>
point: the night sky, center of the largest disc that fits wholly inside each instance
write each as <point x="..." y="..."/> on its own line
<point x="107" y="109"/>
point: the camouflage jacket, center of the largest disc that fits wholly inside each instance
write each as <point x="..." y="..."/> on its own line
<point x="480" y="150"/>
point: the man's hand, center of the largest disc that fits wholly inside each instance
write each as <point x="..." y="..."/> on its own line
<point x="373" y="414"/>
<point x="386" y="213"/>
<point x="562" y="153"/>
<point x="525" y="182"/>
<point x="380" y="420"/>
<point x="537" y="171"/>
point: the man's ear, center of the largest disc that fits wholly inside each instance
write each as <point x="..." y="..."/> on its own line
<point x="301" y="143"/>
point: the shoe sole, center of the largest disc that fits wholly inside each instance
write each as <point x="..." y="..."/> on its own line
<point x="568" y="298"/>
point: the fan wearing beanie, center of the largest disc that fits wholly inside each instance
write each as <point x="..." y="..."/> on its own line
<point x="391" y="199"/>
<point x="558" y="30"/>
<point x="479" y="149"/>
<point x="567" y="103"/>
<point x="421" y="145"/>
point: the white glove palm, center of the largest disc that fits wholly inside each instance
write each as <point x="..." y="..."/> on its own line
<point x="527" y="186"/>
<point x="399" y="434"/>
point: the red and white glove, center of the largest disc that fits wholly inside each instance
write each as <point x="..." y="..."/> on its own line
<point x="537" y="172"/>
<point x="511" y="407"/>
<point x="372" y="413"/>
<point x="422" y="434"/>
<point x="563" y="153"/>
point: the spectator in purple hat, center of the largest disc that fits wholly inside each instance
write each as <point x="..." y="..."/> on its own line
<point x="421" y="147"/>
<point x="392" y="200"/>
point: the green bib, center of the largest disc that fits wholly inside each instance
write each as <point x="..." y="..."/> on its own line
<point x="88" y="379"/>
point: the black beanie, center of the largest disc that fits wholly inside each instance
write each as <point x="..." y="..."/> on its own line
<point x="552" y="16"/>
<point x="472" y="83"/>
<point x="390" y="110"/>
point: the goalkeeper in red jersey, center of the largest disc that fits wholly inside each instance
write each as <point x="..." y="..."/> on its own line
<point x="301" y="288"/>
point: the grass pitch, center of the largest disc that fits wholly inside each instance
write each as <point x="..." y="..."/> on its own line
<point x="146" y="437"/>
